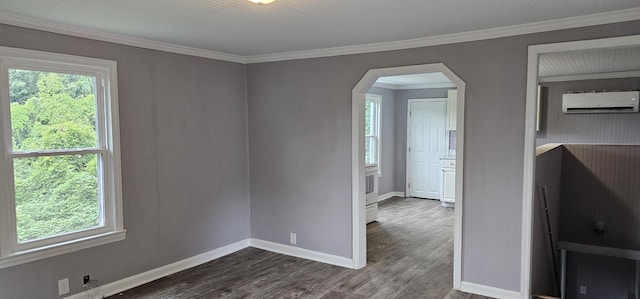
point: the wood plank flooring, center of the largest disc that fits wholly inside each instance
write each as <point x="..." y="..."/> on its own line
<point x="409" y="255"/>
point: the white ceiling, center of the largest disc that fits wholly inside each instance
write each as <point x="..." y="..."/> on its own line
<point x="242" y="28"/>
<point x="590" y="64"/>
<point x="415" y="81"/>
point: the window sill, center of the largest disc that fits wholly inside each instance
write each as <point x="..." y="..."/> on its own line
<point x="371" y="169"/>
<point x="32" y="255"/>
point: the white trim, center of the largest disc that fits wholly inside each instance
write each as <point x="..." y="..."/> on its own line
<point x="359" y="247"/>
<point x="460" y="170"/>
<point x="529" y="137"/>
<point x="390" y="195"/>
<point x="488" y="291"/>
<point x="551" y="25"/>
<point x="302" y="253"/>
<point x="528" y="180"/>
<point x="194" y="261"/>
<point x="60" y="28"/>
<point x="60" y="248"/>
<point x="541" y="149"/>
<point x="157" y="273"/>
<point x="600" y="250"/>
<point x="514" y="30"/>
<point x="358" y="194"/>
<point x="612" y="75"/>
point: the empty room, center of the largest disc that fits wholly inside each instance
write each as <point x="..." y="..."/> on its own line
<point x="262" y="149"/>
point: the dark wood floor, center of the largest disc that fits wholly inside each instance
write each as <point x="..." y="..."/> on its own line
<point x="409" y="255"/>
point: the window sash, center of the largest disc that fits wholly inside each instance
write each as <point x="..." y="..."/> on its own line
<point x="61" y="152"/>
<point x="372" y="135"/>
<point x="373" y="117"/>
<point x="105" y="223"/>
<point x="373" y="151"/>
<point x="63" y="68"/>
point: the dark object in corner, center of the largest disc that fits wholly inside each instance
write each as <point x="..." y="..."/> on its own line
<point x="598" y="227"/>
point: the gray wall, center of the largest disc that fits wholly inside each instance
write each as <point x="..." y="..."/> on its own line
<point x="587" y="128"/>
<point x="184" y="154"/>
<point x="388" y="129"/>
<point x="600" y="182"/>
<point x="548" y="175"/>
<point x="403" y="97"/>
<point x="300" y="137"/>
<point x="184" y="164"/>
<point x="604" y="277"/>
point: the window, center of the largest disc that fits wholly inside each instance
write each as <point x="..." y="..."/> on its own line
<point x="372" y="130"/>
<point x="60" y="160"/>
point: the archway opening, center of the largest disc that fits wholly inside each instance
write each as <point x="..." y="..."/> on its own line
<point x="359" y="93"/>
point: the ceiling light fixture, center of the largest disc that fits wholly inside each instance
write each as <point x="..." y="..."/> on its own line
<point x="262" y="1"/>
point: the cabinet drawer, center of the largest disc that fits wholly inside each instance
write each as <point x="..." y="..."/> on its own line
<point x="448" y="163"/>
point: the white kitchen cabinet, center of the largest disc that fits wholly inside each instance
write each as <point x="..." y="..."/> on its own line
<point x="448" y="182"/>
<point x="452" y="111"/>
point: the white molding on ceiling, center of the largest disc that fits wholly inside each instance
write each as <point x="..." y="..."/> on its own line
<point x="57" y="27"/>
<point x="536" y="27"/>
<point x="612" y="75"/>
<point x="425" y="85"/>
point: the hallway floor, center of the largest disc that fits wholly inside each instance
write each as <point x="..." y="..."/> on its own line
<point x="409" y="250"/>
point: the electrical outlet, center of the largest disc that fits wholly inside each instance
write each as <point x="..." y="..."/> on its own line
<point x="583" y="290"/>
<point x="86" y="279"/>
<point x="63" y="286"/>
<point x="292" y="238"/>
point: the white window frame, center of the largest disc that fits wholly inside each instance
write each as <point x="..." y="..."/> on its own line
<point x="377" y="125"/>
<point x="111" y="227"/>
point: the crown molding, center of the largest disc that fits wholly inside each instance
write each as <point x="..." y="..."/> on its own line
<point x="56" y="27"/>
<point x="631" y="14"/>
<point x="536" y="27"/>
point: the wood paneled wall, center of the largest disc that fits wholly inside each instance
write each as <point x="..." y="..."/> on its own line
<point x="601" y="182"/>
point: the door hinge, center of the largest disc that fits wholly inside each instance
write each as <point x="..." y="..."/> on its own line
<point x="408" y="185"/>
<point x="409" y="149"/>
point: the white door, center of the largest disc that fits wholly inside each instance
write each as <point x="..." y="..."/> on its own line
<point x="426" y="145"/>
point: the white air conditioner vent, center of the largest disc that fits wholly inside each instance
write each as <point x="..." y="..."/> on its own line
<point x="600" y="102"/>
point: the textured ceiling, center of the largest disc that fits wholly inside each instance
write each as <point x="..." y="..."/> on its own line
<point x="415" y="81"/>
<point x="585" y="62"/>
<point x="242" y="28"/>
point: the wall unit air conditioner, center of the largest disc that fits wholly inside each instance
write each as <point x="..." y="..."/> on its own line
<point x="600" y="102"/>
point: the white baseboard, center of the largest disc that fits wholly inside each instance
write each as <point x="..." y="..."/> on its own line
<point x="151" y="275"/>
<point x="157" y="273"/>
<point x="390" y="195"/>
<point x="478" y="289"/>
<point x="302" y="253"/>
